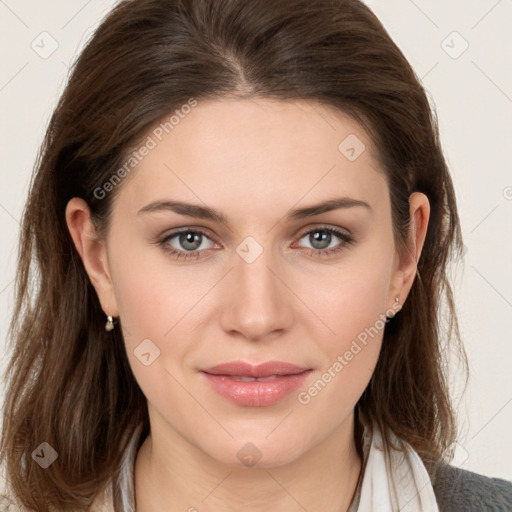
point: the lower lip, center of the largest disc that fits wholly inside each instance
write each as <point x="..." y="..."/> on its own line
<point x="256" y="393"/>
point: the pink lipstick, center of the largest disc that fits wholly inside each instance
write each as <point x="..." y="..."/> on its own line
<point x="255" y="385"/>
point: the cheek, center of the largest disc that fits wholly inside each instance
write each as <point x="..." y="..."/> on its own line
<point x="349" y="360"/>
<point x="354" y="308"/>
<point x="151" y="308"/>
<point x="156" y="302"/>
<point x="151" y="293"/>
<point x="355" y="297"/>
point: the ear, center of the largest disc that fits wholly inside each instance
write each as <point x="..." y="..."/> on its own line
<point x="93" y="252"/>
<point x="407" y="260"/>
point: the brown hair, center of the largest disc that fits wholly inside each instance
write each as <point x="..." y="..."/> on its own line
<point x="69" y="382"/>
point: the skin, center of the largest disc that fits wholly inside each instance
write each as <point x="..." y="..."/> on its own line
<point x="252" y="160"/>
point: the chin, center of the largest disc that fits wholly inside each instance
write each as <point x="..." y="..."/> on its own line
<point x="257" y="452"/>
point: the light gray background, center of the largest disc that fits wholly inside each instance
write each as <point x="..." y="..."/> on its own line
<point x="472" y="92"/>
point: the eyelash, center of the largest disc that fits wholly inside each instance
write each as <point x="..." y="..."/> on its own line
<point x="185" y="255"/>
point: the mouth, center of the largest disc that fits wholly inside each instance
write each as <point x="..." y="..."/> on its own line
<point x="255" y="385"/>
<point x="242" y="378"/>
<point x="260" y="371"/>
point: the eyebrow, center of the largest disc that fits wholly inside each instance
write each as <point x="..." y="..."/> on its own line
<point x="205" y="212"/>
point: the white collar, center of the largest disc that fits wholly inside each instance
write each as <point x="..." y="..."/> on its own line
<point x="394" y="479"/>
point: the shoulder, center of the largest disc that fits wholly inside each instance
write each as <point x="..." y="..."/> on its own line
<point x="102" y="502"/>
<point x="461" y="490"/>
<point x="7" y="504"/>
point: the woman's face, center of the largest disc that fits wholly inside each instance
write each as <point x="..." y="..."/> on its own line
<point x="260" y="286"/>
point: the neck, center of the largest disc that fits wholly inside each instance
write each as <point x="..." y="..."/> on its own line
<point x="173" y="475"/>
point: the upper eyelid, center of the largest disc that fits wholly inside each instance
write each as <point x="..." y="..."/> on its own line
<point x="178" y="231"/>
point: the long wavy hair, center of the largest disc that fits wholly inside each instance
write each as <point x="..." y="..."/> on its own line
<point x="69" y="382"/>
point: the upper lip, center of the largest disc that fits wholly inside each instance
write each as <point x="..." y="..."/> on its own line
<point x="242" y="369"/>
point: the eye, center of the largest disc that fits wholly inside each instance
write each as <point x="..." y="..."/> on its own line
<point x="189" y="243"/>
<point x="321" y="239"/>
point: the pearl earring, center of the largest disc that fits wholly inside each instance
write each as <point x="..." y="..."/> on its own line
<point x="397" y="302"/>
<point x="109" y="326"/>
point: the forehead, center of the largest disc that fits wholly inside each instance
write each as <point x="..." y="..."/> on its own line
<point x="255" y="153"/>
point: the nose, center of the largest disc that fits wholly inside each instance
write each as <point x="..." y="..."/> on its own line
<point x="257" y="303"/>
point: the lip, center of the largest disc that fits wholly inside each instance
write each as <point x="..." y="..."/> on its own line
<point x="242" y="369"/>
<point x="281" y="379"/>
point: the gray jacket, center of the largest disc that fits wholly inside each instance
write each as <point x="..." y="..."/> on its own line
<point x="460" y="490"/>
